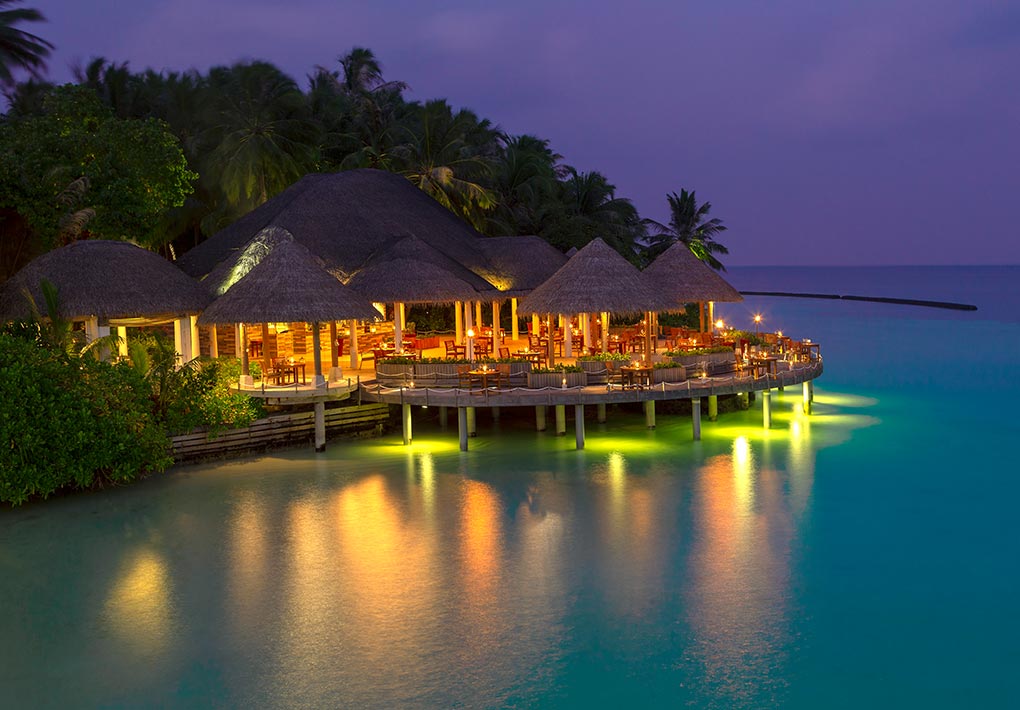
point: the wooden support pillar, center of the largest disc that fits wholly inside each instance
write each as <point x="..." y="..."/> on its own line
<point x="318" y="380"/>
<point x="469" y="330"/>
<point x="561" y="419"/>
<point x="193" y="326"/>
<point x="605" y="331"/>
<point x="540" y="418"/>
<point x="472" y="424"/>
<point x="696" y="417"/>
<point x="320" y="426"/>
<point x="398" y="326"/>
<point x="579" y="425"/>
<point x="334" y="352"/>
<point x="713" y="407"/>
<point x="650" y="413"/>
<point x="462" y="428"/>
<point x="568" y="340"/>
<point x="240" y="346"/>
<point x="478" y="314"/>
<point x="535" y="324"/>
<point x="701" y="317"/>
<point x="648" y="337"/>
<point x="766" y="408"/>
<point x="266" y="360"/>
<point x="496" y="340"/>
<point x="807" y="397"/>
<point x="242" y="332"/>
<point x="586" y="331"/>
<point x="515" y="328"/>
<point x="458" y="317"/>
<point x="214" y="346"/>
<point x="406" y="421"/>
<point x="600" y="412"/>
<point x="552" y="345"/>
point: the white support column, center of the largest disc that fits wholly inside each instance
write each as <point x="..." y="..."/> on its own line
<point x="586" y="330"/>
<point x="807" y="396"/>
<point x="540" y="424"/>
<point x="605" y="331"/>
<point x="214" y="347"/>
<point x="696" y="417"/>
<point x="551" y="340"/>
<point x="242" y="340"/>
<point x="811" y="390"/>
<point x="478" y="314"/>
<point x="193" y="325"/>
<point x="122" y="348"/>
<point x="181" y="333"/>
<point x="579" y="425"/>
<point x="496" y="342"/>
<point x="766" y="408"/>
<point x="398" y="326"/>
<point x="353" y="330"/>
<point x="650" y="413"/>
<point x="320" y="426"/>
<point x="472" y="424"/>
<point x="536" y="324"/>
<point x="568" y="338"/>
<point x="515" y="328"/>
<point x="239" y="345"/>
<point x="462" y="429"/>
<point x="713" y="407"/>
<point x="458" y="316"/>
<point x="469" y="327"/>
<point x="561" y="419"/>
<point x="407" y="423"/>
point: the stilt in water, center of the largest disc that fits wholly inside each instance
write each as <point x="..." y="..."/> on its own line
<point x="696" y="417"/>
<point x="579" y="425"/>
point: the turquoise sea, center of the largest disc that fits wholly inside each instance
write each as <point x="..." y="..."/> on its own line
<point x="865" y="556"/>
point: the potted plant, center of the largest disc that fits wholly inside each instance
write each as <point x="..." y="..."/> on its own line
<point x="597" y="367"/>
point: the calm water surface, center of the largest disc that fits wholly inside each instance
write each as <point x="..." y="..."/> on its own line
<point x="865" y="556"/>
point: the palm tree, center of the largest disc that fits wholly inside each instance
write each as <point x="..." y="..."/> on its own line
<point x="446" y="154"/>
<point x="264" y="138"/>
<point x="688" y="223"/>
<point x="523" y="180"/>
<point x="19" y="49"/>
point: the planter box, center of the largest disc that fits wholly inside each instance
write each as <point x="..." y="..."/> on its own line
<point x="515" y="374"/>
<point x="436" y="374"/>
<point x="597" y="371"/>
<point x="711" y="361"/>
<point x="555" y="379"/>
<point x="669" y="374"/>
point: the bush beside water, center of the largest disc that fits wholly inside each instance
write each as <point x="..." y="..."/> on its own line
<point x="70" y="421"/>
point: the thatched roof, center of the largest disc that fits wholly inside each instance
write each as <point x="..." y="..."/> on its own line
<point x="345" y="219"/>
<point x="595" y="279"/>
<point x="687" y="279"/>
<point x="230" y="271"/>
<point x="105" y="279"/>
<point x="520" y="264"/>
<point x="288" y="285"/>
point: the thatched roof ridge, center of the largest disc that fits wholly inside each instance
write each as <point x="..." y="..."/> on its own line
<point x="106" y="279"/>
<point x="344" y="219"/>
<point x="230" y="271"/>
<point x="595" y="279"/>
<point x="288" y="285"/>
<point x="687" y="279"/>
<point x="520" y="264"/>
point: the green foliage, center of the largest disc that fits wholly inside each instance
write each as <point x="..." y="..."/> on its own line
<point x="605" y="357"/>
<point x="747" y="335"/>
<point x="665" y="365"/>
<point x="195" y="395"/>
<point x="71" y="423"/>
<point x="20" y="49"/>
<point x="558" y="369"/>
<point x="699" y="351"/>
<point x="75" y="168"/>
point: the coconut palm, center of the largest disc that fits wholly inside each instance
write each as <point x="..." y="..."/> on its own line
<point x="523" y="180"/>
<point x="20" y="49"/>
<point x="688" y="223"/>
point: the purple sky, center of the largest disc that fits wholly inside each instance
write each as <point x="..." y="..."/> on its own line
<point x="866" y="132"/>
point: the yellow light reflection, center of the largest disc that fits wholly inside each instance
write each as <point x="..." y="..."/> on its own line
<point x="139" y="604"/>
<point x="247" y="562"/>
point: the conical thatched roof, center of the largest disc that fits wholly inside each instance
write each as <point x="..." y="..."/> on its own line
<point x="105" y="279"/>
<point x="288" y="285"/>
<point x="344" y="219"/>
<point x="687" y="279"/>
<point x="595" y="279"/>
<point x="520" y="264"/>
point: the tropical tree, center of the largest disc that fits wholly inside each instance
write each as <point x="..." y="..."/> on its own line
<point x="446" y="154"/>
<point x="20" y="49"/>
<point x="586" y="207"/>
<point x="688" y="223"/>
<point x="263" y="135"/>
<point x="523" y="180"/>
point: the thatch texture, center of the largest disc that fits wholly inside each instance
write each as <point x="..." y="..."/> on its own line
<point x="288" y="285"/>
<point x="595" y="279"/>
<point x="230" y="271"/>
<point x="520" y="264"/>
<point x="345" y="219"/>
<point x="105" y="279"/>
<point x="686" y="279"/>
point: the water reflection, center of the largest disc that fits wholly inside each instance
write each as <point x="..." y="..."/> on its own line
<point x="139" y="605"/>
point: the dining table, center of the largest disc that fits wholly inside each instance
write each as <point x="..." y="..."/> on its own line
<point x="485" y="375"/>
<point x="636" y="376"/>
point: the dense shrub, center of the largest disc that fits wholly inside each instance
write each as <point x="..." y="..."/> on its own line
<point x="71" y="422"/>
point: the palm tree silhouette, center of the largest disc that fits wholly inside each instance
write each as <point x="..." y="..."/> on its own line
<point x="688" y="223"/>
<point x="20" y="49"/>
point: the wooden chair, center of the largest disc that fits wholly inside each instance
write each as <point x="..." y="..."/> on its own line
<point x="453" y="350"/>
<point x="465" y="380"/>
<point x="504" y="353"/>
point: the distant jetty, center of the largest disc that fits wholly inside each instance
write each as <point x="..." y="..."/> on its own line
<point x="871" y="299"/>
